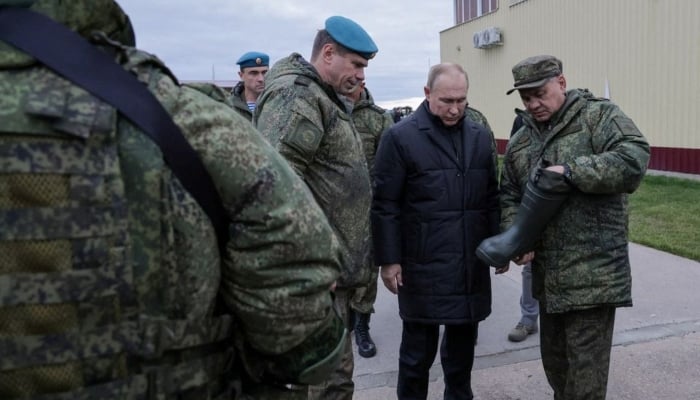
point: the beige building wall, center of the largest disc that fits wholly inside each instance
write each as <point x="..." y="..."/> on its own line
<point x="646" y="51"/>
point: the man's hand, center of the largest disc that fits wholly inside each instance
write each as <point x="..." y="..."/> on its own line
<point x="502" y="270"/>
<point x="524" y="258"/>
<point x="391" y="275"/>
<point x="556" y="168"/>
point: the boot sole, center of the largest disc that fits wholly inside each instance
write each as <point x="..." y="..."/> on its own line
<point x="368" y="354"/>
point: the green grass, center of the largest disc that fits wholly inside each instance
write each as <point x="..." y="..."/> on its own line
<point x="665" y="215"/>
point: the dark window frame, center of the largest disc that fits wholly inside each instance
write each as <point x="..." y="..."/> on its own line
<point x="467" y="10"/>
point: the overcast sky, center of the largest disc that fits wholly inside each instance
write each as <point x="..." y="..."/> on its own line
<point x="199" y="39"/>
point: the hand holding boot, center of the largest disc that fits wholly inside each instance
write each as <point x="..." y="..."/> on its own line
<point x="545" y="192"/>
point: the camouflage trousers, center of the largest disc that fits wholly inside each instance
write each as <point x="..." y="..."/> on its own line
<point x="575" y="348"/>
<point x="363" y="298"/>
<point x="339" y="385"/>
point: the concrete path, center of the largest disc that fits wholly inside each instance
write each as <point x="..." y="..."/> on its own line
<point x="656" y="353"/>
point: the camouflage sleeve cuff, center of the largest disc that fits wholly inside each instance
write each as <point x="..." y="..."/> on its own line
<point x="550" y="181"/>
<point x="311" y="361"/>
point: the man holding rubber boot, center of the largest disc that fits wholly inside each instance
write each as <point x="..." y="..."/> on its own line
<point x="564" y="186"/>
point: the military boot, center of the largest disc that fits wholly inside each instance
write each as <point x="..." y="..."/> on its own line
<point x="365" y="344"/>
<point x="545" y="192"/>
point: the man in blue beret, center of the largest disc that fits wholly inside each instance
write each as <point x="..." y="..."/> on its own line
<point x="244" y="96"/>
<point x="305" y="112"/>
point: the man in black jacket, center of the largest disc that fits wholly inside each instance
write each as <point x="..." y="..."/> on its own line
<point x="435" y="199"/>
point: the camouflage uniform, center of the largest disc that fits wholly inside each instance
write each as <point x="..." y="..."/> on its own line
<point x="475" y="115"/>
<point x="312" y="129"/>
<point x="238" y="101"/>
<point x="112" y="269"/>
<point x="370" y="121"/>
<point x="581" y="264"/>
<point x="211" y="90"/>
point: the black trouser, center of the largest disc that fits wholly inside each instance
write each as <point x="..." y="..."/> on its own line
<point x="575" y="348"/>
<point x="418" y="349"/>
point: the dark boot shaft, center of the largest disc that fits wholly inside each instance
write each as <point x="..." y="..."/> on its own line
<point x="365" y="345"/>
<point x="544" y="195"/>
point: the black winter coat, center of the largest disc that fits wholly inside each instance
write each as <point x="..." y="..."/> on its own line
<point x="429" y="213"/>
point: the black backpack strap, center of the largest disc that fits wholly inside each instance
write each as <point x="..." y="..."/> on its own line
<point x="73" y="57"/>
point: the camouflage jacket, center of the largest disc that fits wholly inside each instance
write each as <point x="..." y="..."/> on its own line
<point x="582" y="259"/>
<point x="475" y="115"/>
<point x="311" y="127"/>
<point x="114" y="261"/>
<point x="238" y="101"/>
<point x="370" y="121"/>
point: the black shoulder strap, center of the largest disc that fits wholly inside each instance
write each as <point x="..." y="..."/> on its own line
<point x="302" y="80"/>
<point x="74" y="58"/>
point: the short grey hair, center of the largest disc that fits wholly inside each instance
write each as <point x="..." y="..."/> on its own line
<point x="439" y="69"/>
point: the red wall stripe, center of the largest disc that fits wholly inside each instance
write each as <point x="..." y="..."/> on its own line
<point x="662" y="158"/>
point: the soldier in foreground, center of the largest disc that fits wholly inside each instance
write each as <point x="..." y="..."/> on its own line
<point x="244" y="96"/>
<point x="113" y="283"/>
<point x="304" y="112"/>
<point x="370" y="121"/>
<point x="566" y="176"/>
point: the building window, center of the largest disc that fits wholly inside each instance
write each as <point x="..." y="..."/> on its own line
<point x="467" y="10"/>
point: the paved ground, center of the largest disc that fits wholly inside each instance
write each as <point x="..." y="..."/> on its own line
<point x="656" y="353"/>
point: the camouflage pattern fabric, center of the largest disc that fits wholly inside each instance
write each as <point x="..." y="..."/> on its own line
<point x="211" y="90"/>
<point x="111" y="261"/>
<point x="310" y="126"/>
<point x="370" y="121"/>
<point x="339" y="385"/>
<point x="312" y="129"/>
<point x="290" y="240"/>
<point x="364" y="297"/>
<point x="581" y="270"/>
<point x="582" y="259"/>
<point x="475" y="115"/>
<point x="575" y="349"/>
<point x="238" y="102"/>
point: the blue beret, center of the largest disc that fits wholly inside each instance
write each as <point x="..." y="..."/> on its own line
<point x="351" y="35"/>
<point x="253" y="59"/>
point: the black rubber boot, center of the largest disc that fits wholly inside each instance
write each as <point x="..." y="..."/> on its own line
<point x="544" y="194"/>
<point x="365" y="344"/>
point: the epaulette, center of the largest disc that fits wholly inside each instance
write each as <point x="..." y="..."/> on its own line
<point x="303" y="80"/>
<point x="588" y="95"/>
<point x="377" y="109"/>
<point x="210" y="90"/>
<point x="143" y="64"/>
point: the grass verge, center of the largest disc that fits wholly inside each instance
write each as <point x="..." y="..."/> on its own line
<point x="665" y="215"/>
